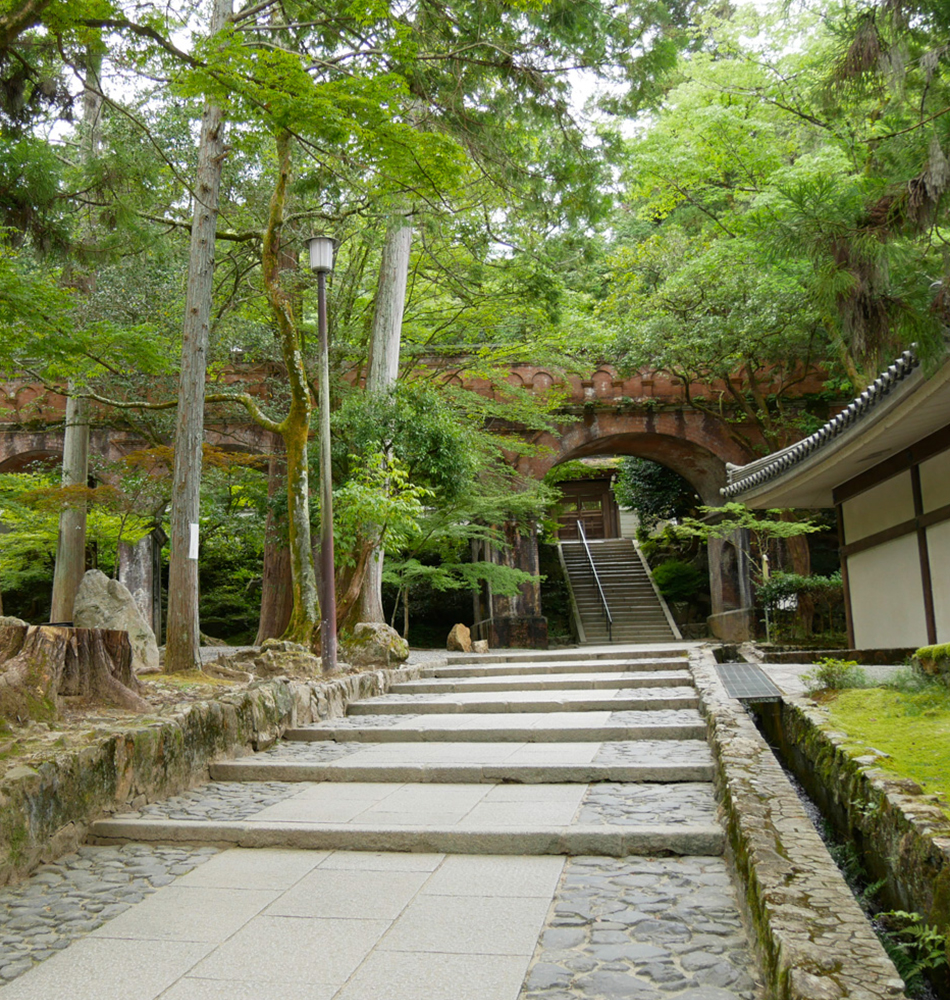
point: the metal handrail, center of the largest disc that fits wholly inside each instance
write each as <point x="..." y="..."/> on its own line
<point x="608" y="618"/>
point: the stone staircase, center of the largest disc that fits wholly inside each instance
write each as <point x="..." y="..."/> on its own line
<point x="574" y="752"/>
<point x="638" y="612"/>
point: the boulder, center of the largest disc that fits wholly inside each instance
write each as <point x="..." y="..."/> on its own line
<point x="480" y="646"/>
<point x="460" y="639"/>
<point x="105" y="603"/>
<point x="276" y="658"/>
<point x="374" y="644"/>
<point x="10" y="620"/>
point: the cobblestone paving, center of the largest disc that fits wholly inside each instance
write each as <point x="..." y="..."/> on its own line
<point x="366" y="721"/>
<point x="643" y="929"/>
<point x="633" y="804"/>
<point x="66" y="900"/>
<point x="656" y="751"/>
<point x="311" y="753"/>
<point x="659" y="717"/>
<point x="221" y="800"/>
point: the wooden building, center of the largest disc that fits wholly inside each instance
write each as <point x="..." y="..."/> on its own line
<point x="884" y="464"/>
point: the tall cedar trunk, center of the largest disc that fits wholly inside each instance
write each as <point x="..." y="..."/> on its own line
<point x="181" y="650"/>
<point x="381" y="375"/>
<point x="295" y="427"/>
<point x="276" y="588"/>
<point x="71" y="543"/>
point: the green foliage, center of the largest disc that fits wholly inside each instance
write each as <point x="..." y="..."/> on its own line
<point x="377" y="503"/>
<point x="654" y="491"/>
<point x="831" y="674"/>
<point x="679" y="581"/>
<point x="915" y="947"/>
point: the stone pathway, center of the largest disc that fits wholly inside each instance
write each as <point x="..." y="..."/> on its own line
<point x="416" y="851"/>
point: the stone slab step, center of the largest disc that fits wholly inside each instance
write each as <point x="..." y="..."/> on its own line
<point x="559" y="655"/>
<point x="554" y="701"/>
<point x="604" y="841"/>
<point x="461" y="773"/>
<point x="595" y="666"/>
<point x="566" y="727"/>
<point x="542" y="682"/>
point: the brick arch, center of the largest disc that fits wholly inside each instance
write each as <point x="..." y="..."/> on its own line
<point x="27" y="461"/>
<point x="691" y="444"/>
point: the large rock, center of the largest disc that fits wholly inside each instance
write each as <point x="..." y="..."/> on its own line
<point x="105" y="603"/>
<point x="278" y="658"/>
<point x="460" y="639"/>
<point x="374" y="644"/>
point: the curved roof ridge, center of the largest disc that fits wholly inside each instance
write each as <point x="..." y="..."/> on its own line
<point x="756" y="473"/>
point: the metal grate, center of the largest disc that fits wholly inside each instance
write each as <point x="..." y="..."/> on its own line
<point x="746" y="682"/>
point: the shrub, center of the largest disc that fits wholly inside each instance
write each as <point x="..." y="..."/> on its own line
<point x="834" y="675"/>
<point x="678" y="581"/>
<point x="934" y="661"/>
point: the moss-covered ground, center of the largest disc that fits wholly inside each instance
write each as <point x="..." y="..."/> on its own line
<point x="911" y="726"/>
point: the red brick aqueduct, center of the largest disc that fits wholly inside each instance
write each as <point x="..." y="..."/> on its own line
<point x="645" y="414"/>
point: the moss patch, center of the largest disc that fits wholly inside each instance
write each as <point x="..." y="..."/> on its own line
<point x="912" y="728"/>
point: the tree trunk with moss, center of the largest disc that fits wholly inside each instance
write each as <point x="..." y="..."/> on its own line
<point x="295" y="427"/>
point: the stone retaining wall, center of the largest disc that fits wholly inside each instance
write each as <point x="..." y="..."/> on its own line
<point x="46" y="810"/>
<point x="814" y="941"/>
<point x="904" y="837"/>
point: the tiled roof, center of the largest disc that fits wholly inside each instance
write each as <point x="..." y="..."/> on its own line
<point x="745" y="477"/>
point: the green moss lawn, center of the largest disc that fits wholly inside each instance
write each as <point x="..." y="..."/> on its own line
<point x="913" y="727"/>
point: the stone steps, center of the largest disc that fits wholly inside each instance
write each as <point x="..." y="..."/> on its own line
<point x="705" y="839"/>
<point x="592" y="666"/>
<point x="541" y="682"/>
<point x="495" y="758"/>
<point x="555" y="701"/>
<point x="636" y="761"/>
<point x="504" y="728"/>
<point x="636" y="612"/>
<point x="665" y="649"/>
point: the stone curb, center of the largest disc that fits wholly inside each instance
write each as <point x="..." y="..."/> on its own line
<point x="513" y="734"/>
<point x="644" y="703"/>
<point x="814" y="941"/>
<point x="468" y="774"/>
<point x="621" y="681"/>
<point x="45" y="811"/>
<point x="909" y="832"/>
<point x="604" y="841"/>
<point x="505" y="669"/>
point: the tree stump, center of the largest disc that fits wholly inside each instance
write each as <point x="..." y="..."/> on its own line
<point x="39" y="664"/>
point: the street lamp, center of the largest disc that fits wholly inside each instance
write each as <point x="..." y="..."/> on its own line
<point x="321" y="262"/>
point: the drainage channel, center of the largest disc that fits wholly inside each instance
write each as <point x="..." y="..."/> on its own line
<point x="847" y="856"/>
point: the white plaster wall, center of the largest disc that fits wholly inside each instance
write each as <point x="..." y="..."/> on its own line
<point x="880" y="507"/>
<point x="938" y="549"/>
<point x="935" y="481"/>
<point x="887" y="596"/>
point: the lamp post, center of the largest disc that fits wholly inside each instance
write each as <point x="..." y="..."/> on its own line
<point x="321" y="262"/>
